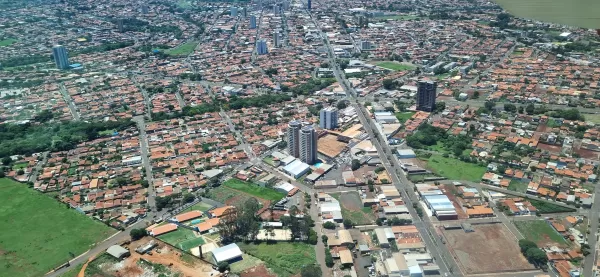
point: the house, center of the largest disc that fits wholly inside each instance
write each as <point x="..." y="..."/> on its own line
<point x="186" y="216"/>
<point x="118" y="251"/>
<point x="229" y="253"/>
<point x="170" y="227"/>
<point x="345" y="257"/>
<point x="207" y="225"/>
<point x="218" y="212"/>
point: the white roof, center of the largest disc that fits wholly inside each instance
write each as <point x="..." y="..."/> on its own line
<point x="296" y="167"/>
<point x="226" y="253"/>
<point x="117" y="251"/>
<point x="285" y="186"/>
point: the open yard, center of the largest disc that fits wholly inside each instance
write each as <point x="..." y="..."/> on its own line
<point x="454" y="169"/>
<point x="396" y="66"/>
<point x="254" y="190"/>
<point x="517" y="186"/>
<point x="579" y="13"/>
<point x="352" y="208"/>
<point x="492" y="248"/>
<point x="183" y="49"/>
<point x="37" y="233"/>
<point x="283" y="258"/>
<point x="540" y="232"/>
<point x="403" y="117"/>
<point x="200" y="206"/>
<point x="183" y="239"/>
<point x="545" y="207"/>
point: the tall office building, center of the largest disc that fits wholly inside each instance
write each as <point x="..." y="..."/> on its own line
<point x="286" y="5"/>
<point x="308" y="145"/>
<point x="121" y="25"/>
<point x="276" y="9"/>
<point x="309" y="4"/>
<point x="61" y="57"/>
<point x="245" y="12"/>
<point x="253" y="22"/>
<point x="276" y="40"/>
<point x="261" y="47"/>
<point x="145" y="9"/>
<point x="233" y="11"/>
<point x="426" y="93"/>
<point x="329" y="118"/>
<point x="293" y="138"/>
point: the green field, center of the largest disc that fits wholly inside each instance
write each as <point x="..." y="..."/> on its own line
<point x="203" y="207"/>
<point x="540" y="232"/>
<point x="254" y="190"/>
<point x="94" y="268"/>
<point x="579" y="13"/>
<point x="353" y="209"/>
<point x="72" y="272"/>
<point x="403" y="117"/>
<point x="38" y="233"/>
<point x="396" y="66"/>
<point x="284" y="258"/>
<point x="7" y="42"/>
<point x="454" y="169"/>
<point x="183" y="239"/>
<point x="518" y="186"/>
<point x="246" y="263"/>
<point x="545" y="207"/>
<point x="183" y="49"/>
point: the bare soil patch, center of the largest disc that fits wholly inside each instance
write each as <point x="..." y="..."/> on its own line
<point x="257" y="271"/>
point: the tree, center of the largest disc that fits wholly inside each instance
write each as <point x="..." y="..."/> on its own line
<point x="489" y="105"/>
<point x="389" y="84"/>
<point x="311" y="270"/>
<point x="328" y="258"/>
<point x="440" y="107"/>
<point x="348" y="223"/>
<point x="137" y="234"/>
<point x="312" y="237"/>
<point x="341" y="105"/>
<point x="530" y="109"/>
<point x="355" y="164"/>
<point x="20" y="171"/>
<point x="329" y="225"/>
<point x="188" y="198"/>
<point x="6" y="160"/>
<point x="476" y="95"/>
<point x="536" y="256"/>
<point x="223" y="266"/>
<point x="521" y="109"/>
<point x="511" y="108"/>
<point x="324" y="238"/>
<point x="526" y="244"/>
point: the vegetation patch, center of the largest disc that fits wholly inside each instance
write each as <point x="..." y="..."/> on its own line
<point x="254" y="190"/>
<point x="540" y="232"/>
<point x="37" y="233"/>
<point x="518" y="186"/>
<point x="353" y="209"/>
<point x="284" y="258"/>
<point x="404" y="116"/>
<point x="183" y="49"/>
<point x="545" y="207"/>
<point x="7" y="42"/>
<point x="183" y="239"/>
<point x="579" y="13"/>
<point x="395" y="66"/>
<point x="454" y="169"/>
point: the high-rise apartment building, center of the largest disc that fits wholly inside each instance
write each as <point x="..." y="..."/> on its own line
<point x="233" y="11"/>
<point x="328" y="118"/>
<point x="308" y="145"/>
<point x="253" y="22"/>
<point x="293" y="138"/>
<point x="309" y="4"/>
<point x="276" y="41"/>
<point x="261" y="47"/>
<point x="426" y="93"/>
<point x="61" y="57"/>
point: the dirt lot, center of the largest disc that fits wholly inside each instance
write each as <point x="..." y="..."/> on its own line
<point x="549" y="147"/>
<point x="490" y="249"/>
<point x="352" y="208"/>
<point x="164" y="260"/>
<point x="257" y="271"/>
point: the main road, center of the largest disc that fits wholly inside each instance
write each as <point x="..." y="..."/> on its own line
<point x="426" y="229"/>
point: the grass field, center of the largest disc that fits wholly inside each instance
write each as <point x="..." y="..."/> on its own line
<point x="246" y="263"/>
<point x="284" y="258"/>
<point x="7" y="42"/>
<point x="183" y="239"/>
<point x="353" y="209"/>
<point x="38" y="233"/>
<point x="454" y="169"/>
<point x="545" y="207"/>
<point x="73" y="272"/>
<point x="254" y="190"/>
<point x="518" y="186"/>
<point x="540" y="232"/>
<point x="201" y="206"/>
<point x="403" y="117"/>
<point x="94" y="268"/>
<point x="183" y="49"/>
<point x="579" y="13"/>
<point x="396" y="66"/>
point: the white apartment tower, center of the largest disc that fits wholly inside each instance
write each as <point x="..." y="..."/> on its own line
<point x="329" y="118"/>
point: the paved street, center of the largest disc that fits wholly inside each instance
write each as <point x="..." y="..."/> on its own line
<point x="69" y="100"/>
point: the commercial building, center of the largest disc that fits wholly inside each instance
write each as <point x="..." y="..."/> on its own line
<point x="253" y="22"/>
<point x="228" y="253"/>
<point x="329" y="118"/>
<point x="293" y="138"/>
<point x="61" y="58"/>
<point x="261" y="47"/>
<point x="365" y="45"/>
<point x="308" y="145"/>
<point x="426" y="93"/>
<point x="117" y="251"/>
<point x="296" y="168"/>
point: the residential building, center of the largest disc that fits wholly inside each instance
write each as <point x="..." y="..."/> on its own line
<point x="365" y="45"/>
<point x="120" y="25"/>
<point x="329" y="118"/>
<point x="308" y="145"/>
<point x="261" y="47"/>
<point x="293" y="138"/>
<point x="233" y="11"/>
<point x="61" y="57"/>
<point x="276" y="41"/>
<point x="253" y="22"/>
<point x="309" y="4"/>
<point x="426" y="93"/>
